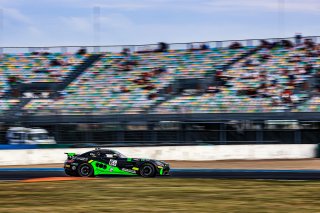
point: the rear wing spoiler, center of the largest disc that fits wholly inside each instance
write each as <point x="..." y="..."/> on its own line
<point x="70" y="154"/>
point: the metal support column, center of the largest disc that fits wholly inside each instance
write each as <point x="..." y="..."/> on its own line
<point x="223" y="135"/>
<point x="297" y="136"/>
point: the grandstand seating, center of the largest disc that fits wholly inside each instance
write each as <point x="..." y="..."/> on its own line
<point x="39" y="67"/>
<point x="224" y="102"/>
<point x="277" y="68"/>
<point x="130" y="84"/>
<point x="6" y="104"/>
<point x="98" y="89"/>
<point x="312" y="105"/>
<point x="4" y="86"/>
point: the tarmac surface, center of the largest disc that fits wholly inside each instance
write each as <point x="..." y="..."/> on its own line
<point x="15" y="174"/>
<point x="275" y="164"/>
<point x="299" y="169"/>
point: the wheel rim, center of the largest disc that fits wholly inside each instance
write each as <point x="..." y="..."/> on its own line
<point x="147" y="170"/>
<point x="85" y="170"/>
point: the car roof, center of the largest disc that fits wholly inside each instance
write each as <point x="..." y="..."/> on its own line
<point x="98" y="149"/>
<point x="104" y="150"/>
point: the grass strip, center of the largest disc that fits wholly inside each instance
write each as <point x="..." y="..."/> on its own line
<point x="160" y="195"/>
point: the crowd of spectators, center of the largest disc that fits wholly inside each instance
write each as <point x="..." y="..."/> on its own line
<point x="195" y="47"/>
<point x="276" y="74"/>
<point x="162" y="47"/>
<point x="278" y="70"/>
<point x="39" y="66"/>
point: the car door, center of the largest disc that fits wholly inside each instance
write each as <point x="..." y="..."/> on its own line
<point x="124" y="163"/>
<point x="106" y="157"/>
<point x="112" y="160"/>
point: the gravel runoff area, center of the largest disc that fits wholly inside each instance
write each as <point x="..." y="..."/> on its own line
<point x="313" y="164"/>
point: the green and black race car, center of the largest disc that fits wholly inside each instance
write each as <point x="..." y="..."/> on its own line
<point x="110" y="162"/>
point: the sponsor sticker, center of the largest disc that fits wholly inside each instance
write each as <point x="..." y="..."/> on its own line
<point x="128" y="170"/>
<point x="113" y="162"/>
<point x="83" y="159"/>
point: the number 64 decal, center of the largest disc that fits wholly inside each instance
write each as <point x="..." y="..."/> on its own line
<point x="113" y="162"/>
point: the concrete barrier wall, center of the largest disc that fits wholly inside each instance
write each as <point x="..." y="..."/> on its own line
<point x="191" y="153"/>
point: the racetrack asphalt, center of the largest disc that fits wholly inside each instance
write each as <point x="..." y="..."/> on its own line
<point x="12" y="174"/>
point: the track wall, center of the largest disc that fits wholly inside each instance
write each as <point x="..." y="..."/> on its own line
<point x="190" y="153"/>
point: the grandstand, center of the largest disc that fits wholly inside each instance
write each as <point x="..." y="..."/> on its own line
<point x="99" y="88"/>
<point x="36" y="67"/>
<point x="195" y="82"/>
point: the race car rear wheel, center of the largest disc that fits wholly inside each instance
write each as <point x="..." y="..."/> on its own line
<point x="85" y="170"/>
<point x="147" y="170"/>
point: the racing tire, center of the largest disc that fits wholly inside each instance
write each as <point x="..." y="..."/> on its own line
<point x="85" y="170"/>
<point x="69" y="173"/>
<point x="147" y="170"/>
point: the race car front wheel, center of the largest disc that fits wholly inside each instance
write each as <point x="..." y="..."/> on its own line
<point x="85" y="170"/>
<point x="70" y="173"/>
<point x="147" y="170"/>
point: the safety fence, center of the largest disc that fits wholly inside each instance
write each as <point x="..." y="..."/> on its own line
<point x="174" y="133"/>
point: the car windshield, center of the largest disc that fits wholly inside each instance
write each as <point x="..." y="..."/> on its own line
<point x="119" y="154"/>
<point x="39" y="136"/>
